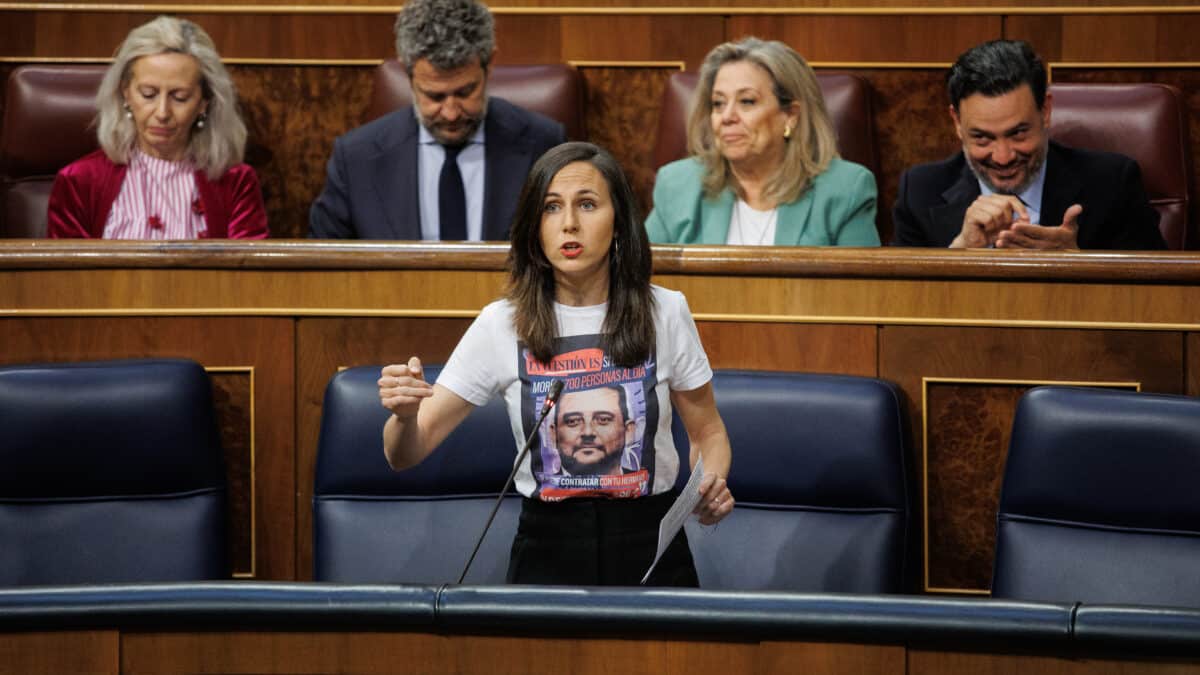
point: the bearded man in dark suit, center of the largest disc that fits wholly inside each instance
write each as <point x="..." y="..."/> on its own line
<point x="1011" y="186"/>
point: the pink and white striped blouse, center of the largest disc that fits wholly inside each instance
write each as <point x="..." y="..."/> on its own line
<point x="158" y="200"/>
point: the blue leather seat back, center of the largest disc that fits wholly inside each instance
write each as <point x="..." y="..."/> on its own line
<point x="1100" y="501"/>
<point x="112" y="472"/>
<point x="375" y="525"/>
<point x="819" y="477"/>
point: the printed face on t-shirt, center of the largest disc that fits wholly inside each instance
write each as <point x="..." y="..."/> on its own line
<point x="590" y="431"/>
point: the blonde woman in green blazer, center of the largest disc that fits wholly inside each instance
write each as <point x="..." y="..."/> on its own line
<point x="764" y="169"/>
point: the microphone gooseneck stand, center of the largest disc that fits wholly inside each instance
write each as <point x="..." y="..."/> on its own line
<point x="556" y="388"/>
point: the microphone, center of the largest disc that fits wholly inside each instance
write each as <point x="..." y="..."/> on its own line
<point x="556" y="388"/>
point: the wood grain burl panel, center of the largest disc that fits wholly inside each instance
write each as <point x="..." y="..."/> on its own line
<point x="233" y="401"/>
<point x="968" y="425"/>
<point x="912" y="126"/>
<point x="619" y="119"/>
<point x="1193" y="364"/>
<point x="967" y="431"/>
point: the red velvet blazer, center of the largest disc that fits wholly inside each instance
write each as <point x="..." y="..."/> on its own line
<point x="84" y="192"/>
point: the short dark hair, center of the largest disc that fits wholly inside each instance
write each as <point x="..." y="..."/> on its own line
<point x="995" y="68"/>
<point x="449" y="33"/>
<point x="629" y="323"/>
<point x="622" y="401"/>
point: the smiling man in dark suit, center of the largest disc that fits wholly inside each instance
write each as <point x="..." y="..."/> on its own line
<point x="1011" y="187"/>
<point x="451" y="166"/>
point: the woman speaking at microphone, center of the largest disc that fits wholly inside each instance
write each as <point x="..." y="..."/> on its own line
<point x="580" y="309"/>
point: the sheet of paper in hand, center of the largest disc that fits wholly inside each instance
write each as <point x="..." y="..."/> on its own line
<point x="688" y="498"/>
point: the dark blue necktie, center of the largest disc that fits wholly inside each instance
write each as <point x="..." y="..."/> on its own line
<point x="452" y="198"/>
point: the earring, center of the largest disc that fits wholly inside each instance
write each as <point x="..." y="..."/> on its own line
<point x="200" y="120"/>
<point x="128" y="112"/>
<point x="787" y="132"/>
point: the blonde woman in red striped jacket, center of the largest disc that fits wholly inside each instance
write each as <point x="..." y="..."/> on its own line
<point x="170" y="164"/>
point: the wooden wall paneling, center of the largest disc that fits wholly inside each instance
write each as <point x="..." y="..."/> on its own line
<point x="787" y="658"/>
<point x="872" y="38"/>
<point x="368" y="653"/>
<point x="528" y="38"/>
<point x="325" y="345"/>
<point x="188" y="291"/>
<point x="5" y="70"/>
<point x="1108" y="37"/>
<point x="930" y="301"/>
<point x="810" y="348"/>
<point x="973" y="418"/>
<point x="17" y="33"/>
<point x="280" y="653"/>
<point x="84" y="34"/>
<point x="1177" y="38"/>
<point x="300" y="36"/>
<point x="928" y="662"/>
<point x="644" y="37"/>
<point x="80" y="34"/>
<point x="1133" y="38"/>
<point x="601" y="656"/>
<point x="1044" y="32"/>
<point x="55" y="653"/>
<point x="814" y="298"/>
<point x="264" y="344"/>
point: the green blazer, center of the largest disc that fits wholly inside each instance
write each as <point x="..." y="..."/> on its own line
<point x="838" y="209"/>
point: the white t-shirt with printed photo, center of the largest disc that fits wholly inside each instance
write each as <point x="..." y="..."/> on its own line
<point x="491" y="361"/>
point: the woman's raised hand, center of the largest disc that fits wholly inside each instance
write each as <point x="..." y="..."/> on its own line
<point x="402" y="387"/>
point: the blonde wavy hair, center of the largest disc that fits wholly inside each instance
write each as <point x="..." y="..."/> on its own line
<point x="213" y="149"/>
<point x="813" y="144"/>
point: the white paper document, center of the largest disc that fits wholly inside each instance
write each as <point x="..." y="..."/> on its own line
<point x="688" y="498"/>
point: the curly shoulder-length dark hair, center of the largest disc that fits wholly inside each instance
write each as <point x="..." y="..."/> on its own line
<point x="629" y="323"/>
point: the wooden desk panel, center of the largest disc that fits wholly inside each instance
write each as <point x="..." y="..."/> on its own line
<point x="384" y="653"/>
<point x="55" y="653"/>
<point x="929" y="662"/>
<point x="370" y="653"/>
<point x="297" y="311"/>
